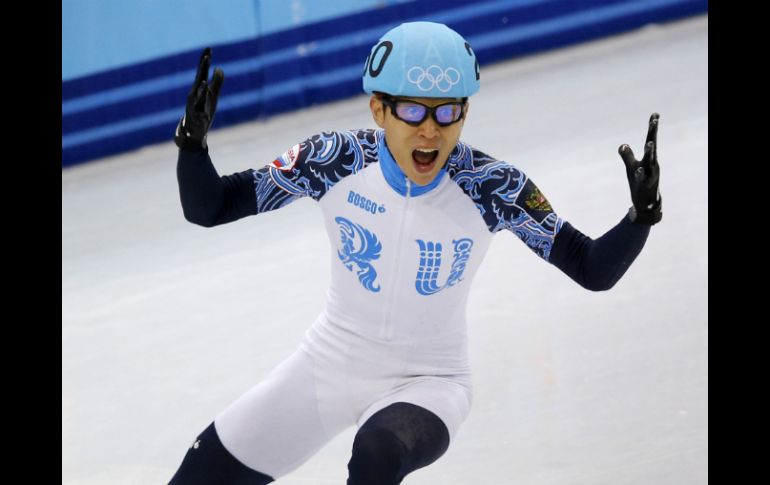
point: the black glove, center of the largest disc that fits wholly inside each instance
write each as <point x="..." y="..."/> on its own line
<point x="201" y="105"/>
<point x="643" y="178"/>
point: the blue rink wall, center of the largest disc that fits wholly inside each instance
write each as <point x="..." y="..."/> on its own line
<point x="281" y="56"/>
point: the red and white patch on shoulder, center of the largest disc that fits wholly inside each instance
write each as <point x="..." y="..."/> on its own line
<point x="288" y="159"/>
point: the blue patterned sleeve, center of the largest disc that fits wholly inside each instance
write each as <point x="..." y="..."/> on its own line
<point x="506" y="198"/>
<point x="311" y="168"/>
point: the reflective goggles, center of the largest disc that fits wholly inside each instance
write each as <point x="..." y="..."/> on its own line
<point x="414" y="113"/>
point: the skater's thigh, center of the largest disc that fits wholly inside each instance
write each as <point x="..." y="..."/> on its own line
<point x="276" y="426"/>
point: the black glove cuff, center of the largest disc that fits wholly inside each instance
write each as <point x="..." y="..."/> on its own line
<point x="648" y="217"/>
<point x="185" y="142"/>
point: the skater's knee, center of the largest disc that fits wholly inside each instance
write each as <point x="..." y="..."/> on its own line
<point x="208" y="462"/>
<point x="378" y="458"/>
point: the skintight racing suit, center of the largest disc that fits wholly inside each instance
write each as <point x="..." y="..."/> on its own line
<point x="389" y="350"/>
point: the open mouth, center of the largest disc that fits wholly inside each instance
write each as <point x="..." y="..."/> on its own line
<point x="424" y="159"/>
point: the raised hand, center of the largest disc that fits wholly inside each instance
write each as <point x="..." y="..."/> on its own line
<point x="201" y="105"/>
<point x="643" y="177"/>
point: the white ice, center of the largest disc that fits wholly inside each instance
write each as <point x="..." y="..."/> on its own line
<point x="164" y="323"/>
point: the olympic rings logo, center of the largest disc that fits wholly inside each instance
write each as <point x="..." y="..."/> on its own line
<point x="433" y="77"/>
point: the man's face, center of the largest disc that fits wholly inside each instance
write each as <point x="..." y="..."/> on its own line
<point x="420" y="151"/>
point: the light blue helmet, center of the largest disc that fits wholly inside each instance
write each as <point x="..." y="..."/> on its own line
<point x="422" y="59"/>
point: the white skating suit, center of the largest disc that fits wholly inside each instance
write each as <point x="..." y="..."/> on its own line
<point x="403" y="259"/>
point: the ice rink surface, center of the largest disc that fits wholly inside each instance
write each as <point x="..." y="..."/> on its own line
<point x="165" y="323"/>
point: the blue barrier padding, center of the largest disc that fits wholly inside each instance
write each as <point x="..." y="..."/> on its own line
<point x="111" y="112"/>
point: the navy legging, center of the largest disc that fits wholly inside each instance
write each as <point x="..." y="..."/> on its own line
<point x="392" y="443"/>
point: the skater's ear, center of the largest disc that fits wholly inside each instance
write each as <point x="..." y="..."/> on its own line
<point x="378" y="110"/>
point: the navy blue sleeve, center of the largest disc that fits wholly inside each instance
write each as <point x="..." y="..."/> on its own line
<point x="208" y="199"/>
<point x="598" y="264"/>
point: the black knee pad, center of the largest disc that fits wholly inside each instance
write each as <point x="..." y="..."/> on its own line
<point x="394" y="442"/>
<point x="208" y="462"/>
<point x="378" y="458"/>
